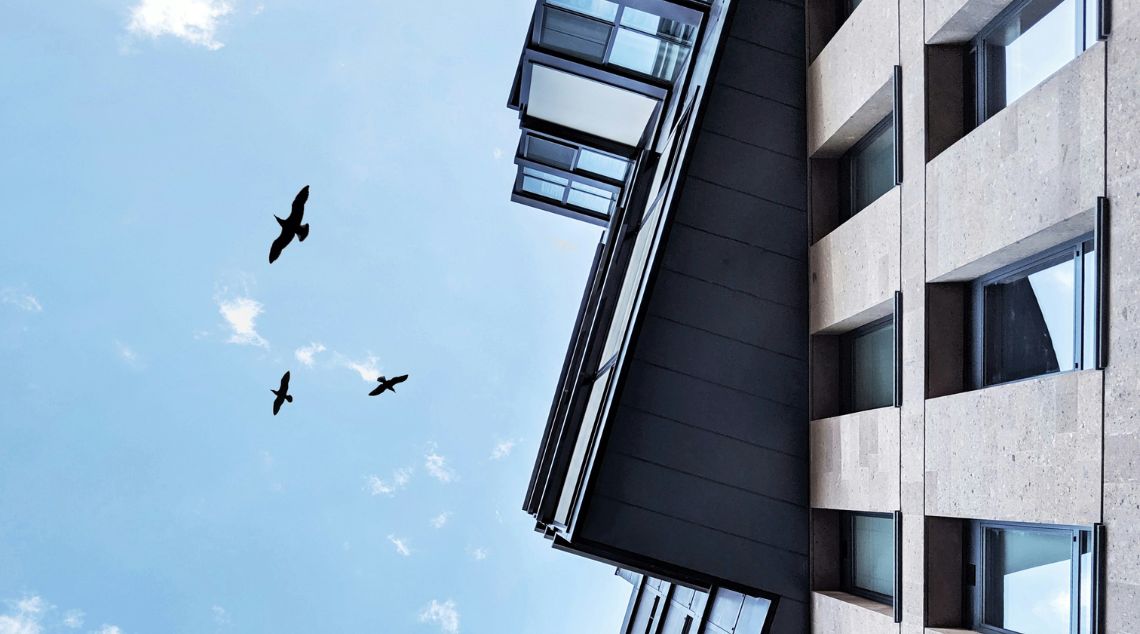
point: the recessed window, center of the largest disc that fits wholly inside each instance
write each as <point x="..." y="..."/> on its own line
<point x="1027" y="43"/>
<point x="1030" y="578"/>
<point x="867" y="373"/>
<point x="869" y="544"/>
<point x="867" y="170"/>
<point x="609" y="33"/>
<point x="580" y="179"/>
<point x="1036" y="317"/>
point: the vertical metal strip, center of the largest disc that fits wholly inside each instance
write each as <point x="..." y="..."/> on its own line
<point x="897" y="602"/>
<point x="896" y="118"/>
<point x="898" y="326"/>
<point x="1103" y="19"/>
<point x="1100" y="245"/>
<point x="1098" y="580"/>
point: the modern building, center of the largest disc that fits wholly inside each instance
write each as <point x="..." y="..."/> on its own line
<point x="860" y="345"/>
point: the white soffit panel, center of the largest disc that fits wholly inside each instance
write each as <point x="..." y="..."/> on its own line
<point x="590" y="106"/>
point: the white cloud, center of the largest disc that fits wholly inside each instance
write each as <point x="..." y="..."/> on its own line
<point x="445" y="615"/>
<point x="305" y="354"/>
<point x="192" y="21"/>
<point x="503" y="449"/>
<point x="479" y="554"/>
<point x="497" y="153"/>
<point x="367" y="369"/>
<point x="109" y="629"/>
<point x="402" y="545"/>
<point x="436" y="465"/>
<point x="73" y="619"/>
<point x="221" y="617"/>
<point x="241" y="315"/>
<point x="23" y="301"/>
<point x="127" y="354"/>
<point x="399" y="480"/>
<point x="439" y="521"/>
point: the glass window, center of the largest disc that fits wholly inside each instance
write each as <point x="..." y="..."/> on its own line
<point x="1039" y="318"/>
<point x="1027" y="44"/>
<point x="589" y="197"/>
<point x="868" y="374"/>
<point x="603" y="164"/>
<point x="867" y="171"/>
<point x="543" y="184"/>
<point x="603" y="9"/>
<point x="575" y="34"/>
<point x="550" y="152"/>
<point x="652" y="45"/>
<point x="871" y="571"/>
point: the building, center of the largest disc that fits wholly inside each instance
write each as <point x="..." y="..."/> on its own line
<point x="860" y="339"/>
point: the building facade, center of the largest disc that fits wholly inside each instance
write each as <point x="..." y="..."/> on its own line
<point x="860" y="340"/>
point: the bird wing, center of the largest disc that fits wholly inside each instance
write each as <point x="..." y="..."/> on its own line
<point x="277" y="404"/>
<point x="299" y="204"/>
<point x="279" y="244"/>
<point x="398" y="379"/>
<point x="284" y="383"/>
<point x="379" y="389"/>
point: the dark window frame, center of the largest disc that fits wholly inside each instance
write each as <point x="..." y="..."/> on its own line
<point x="574" y="175"/>
<point x="847" y="176"/>
<point x="974" y="593"/>
<point x="979" y="90"/>
<point x="847" y="568"/>
<point x="847" y="363"/>
<point x="979" y="322"/>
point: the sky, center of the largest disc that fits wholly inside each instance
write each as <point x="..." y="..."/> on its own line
<point x="144" y="484"/>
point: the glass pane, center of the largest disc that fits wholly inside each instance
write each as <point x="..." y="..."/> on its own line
<point x="592" y="198"/>
<point x="726" y="608"/>
<point x="873" y="169"/>
<point x="550" y="153"/>
<point x="1029" y="47"/>
<point x="1029" y="324"/>
<point x="647" y="54"/>
<point x="542" y="184"/>
<point x="1028" y="580"/>
<point x="657" y="25"/>
<point x="602" y="164"/>
<point x="873" y="554"/>
<point x="603" y="9"/>
<point x="575" y="34"/>
<point x="873" y="369"/>
<point x="1088" y="310"/>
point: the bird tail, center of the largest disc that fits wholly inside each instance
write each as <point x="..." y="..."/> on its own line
<point x="289" y="398"/>
<point x="303" y="232"/>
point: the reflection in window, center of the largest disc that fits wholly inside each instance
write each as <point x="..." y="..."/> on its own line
<point x="868" y="374"/>
<point x="872" y="546"/>
<point x="867" y="170"/>
<point x="611" y="167"/>
<point x="570" y="175"/>
<point x="543" y="184"/>
<point x="603" y="9"/>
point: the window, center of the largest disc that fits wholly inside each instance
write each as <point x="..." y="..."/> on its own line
<point x="1036" y="317"/>
<point x="1027" y="43"/>
<point x="609" y="33"/>
<point x="581" y="179"/>
<point x="869" y="556"/>
<point x="1030" y="578"/>
<point x="867" y="170"/>
<point x="867" y="367"/>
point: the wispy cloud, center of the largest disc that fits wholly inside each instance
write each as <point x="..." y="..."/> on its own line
<point x="368" y="369"/>
<point x="24" y="301"/>
<point x="192" y="21"/>
<point x="497" y="153"/>
<point x="221" y="617"/>
<point x="306" y="354"/>
<point x="73" y="619"/>
<point x="128" y="355"/>
<point x="241" y="315"/>
<point x="402" y="545"/>
<point x="378" y="486"/>
<point x="436" y="466"/>
<point x="439" y="521"/>
<point x="24" y="617"/>
<point x="445" y="615"/>
<point x="478" y="554"/>
<point x="109" y="629"/>
<point x="503" y="449"/>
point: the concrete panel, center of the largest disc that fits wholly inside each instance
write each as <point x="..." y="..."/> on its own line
<point x="855" y="461"/>
<point x="842" y="613"/>
<point x="1027" y="451"/>
<point x="1023" y="181"/>
<point x="849" y="86"/>
<point x="855" y="269"/>
<point x="959" y="20"/>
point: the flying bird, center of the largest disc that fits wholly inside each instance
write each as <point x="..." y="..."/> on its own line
<point x="387" y="384"/>
<point x="291" y="226"/>
<point x="282" y="394"/>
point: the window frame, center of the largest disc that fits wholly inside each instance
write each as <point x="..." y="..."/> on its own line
<point x="981" y="61"/>
<point x="979" y="321"/>
<point x="573" y="175"/>
<point x="847" y="363"/>
<point x="847" y="176"/>
<point x="974" y="593"/>
<point x="847" y="565"/>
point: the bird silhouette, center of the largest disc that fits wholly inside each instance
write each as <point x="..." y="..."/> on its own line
<point x="291" y="226"/>
<point x="387" y="384"/>
<point x="282" y="394"/>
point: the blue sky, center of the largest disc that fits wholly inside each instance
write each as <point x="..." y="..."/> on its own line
<point x="145" y="486"/>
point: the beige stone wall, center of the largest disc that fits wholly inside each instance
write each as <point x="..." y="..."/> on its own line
<point x="1023" y="181"/>
<point x="959" y="20"/>
<point x="1028" y="451"/>
<point x="855" y="269"/>
<point x="841" y="613"/>
<point x="849" y="84"/>
<point x="855" y="461"/>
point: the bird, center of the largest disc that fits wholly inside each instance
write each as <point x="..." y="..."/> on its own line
<point x="387" y="384"/>
<point x="282" y="394"/>
<point x="291" y="226"/>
